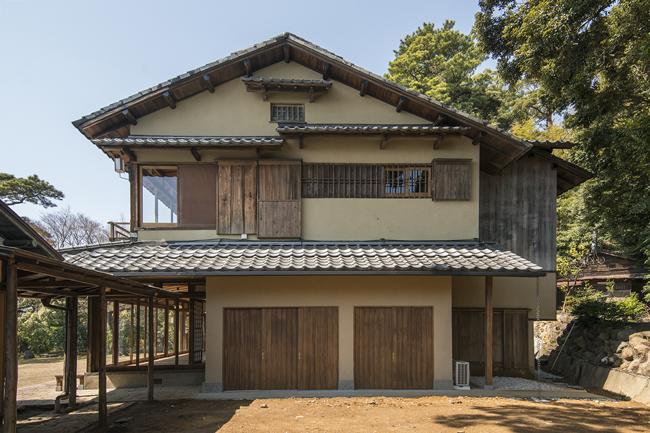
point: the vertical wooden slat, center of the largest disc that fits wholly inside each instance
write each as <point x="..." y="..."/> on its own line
<point x="131" y="336"/>
<point x="152" y="340"/>
<point x="102" y="357"/>
<point x="116" y="332"/>
<point x="318" y="348"/>
<point x="166" y="337"/>
<point x="373" y="348"/>
<point x="488" y="332"/>
<point x="177" y="327"/>
<point x="225" y="181"/>
<point x="10" y="410"/>
<point x="137" y="333"/>
<point x="236" y="199"/>
<point x="250" y="199"/>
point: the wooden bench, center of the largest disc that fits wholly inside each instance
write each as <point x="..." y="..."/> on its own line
<point x="59" y="381"/>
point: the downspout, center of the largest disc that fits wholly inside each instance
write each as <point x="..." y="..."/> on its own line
<point x="66" y="383"/>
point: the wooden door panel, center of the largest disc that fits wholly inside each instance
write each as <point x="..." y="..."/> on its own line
<point x="413" y="348"/>
<point x="197" y="195"/>
<point x="373" y="348"/>
<point x="242" y="349"/>
<point x="280" y="347"/>
<point x="318" y="349"/>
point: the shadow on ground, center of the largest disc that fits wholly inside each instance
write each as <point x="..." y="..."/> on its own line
<point x="172" y="416"/>
<point x="553" y="417"/>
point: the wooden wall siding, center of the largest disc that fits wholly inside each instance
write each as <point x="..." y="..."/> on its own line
<point x="197" y="195"/>
<point x="237" y="210"/>
<point x="509" y="336"/>
<point x="281" y="348"/>
<point x="279" y="207"/>
<point x="364" y="181"/>
<point x="452" y="179"/>
<point x="393" y="347"/>
<point x="517" y="209"/>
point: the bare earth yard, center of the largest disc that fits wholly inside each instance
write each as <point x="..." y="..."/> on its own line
<point x="428" y="414"/>
<point x="41" y="370"/>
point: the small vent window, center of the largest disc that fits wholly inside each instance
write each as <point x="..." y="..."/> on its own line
<point x="287" y="113"/>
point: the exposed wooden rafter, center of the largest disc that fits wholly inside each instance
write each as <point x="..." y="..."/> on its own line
<point x="438" y="141"/>
<point x="130" y="154"/>
<point x="301" y="139"/>
<point x="364" y="87"/>
<point x="129" y="117"/>
<point x="400" y="104"/>
<point x="384" y="142"/>
<point x="441" y="118"/>
<point x="208" y="83"/>
<point x="326" y="70"/>
<point x="311" y="94"/>
<point x="195" y="154"/>
<point x="287" y="53"/>
<point x="248" y="67"/>
<point x="479" y="137"/>
<point x="170" y="101"/>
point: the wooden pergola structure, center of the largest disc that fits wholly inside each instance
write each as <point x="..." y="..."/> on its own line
<point x="27" y="274"/>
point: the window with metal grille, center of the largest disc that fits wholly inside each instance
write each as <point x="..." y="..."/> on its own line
<point x="366" y="180"/>
<point x="287" y="113"/>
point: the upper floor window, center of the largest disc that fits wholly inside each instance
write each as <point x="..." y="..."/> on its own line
<point x="159" y="195"/>
<point x="287" y="113"/>
<point x="403" y="181"/>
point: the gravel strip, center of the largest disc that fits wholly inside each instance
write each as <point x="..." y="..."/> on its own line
<point x="511" y="383"/>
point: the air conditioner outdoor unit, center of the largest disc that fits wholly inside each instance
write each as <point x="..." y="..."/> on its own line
<point x="461" y="375"/>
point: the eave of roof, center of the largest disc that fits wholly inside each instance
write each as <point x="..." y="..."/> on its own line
<point x="500" y="147"/>
<point x="568" y="175"/>
<point x="213" y="258"/>
<point x="13" y="227"/>
<point x="285" y="129"/>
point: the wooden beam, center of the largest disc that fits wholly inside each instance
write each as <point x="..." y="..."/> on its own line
<point x="129" y="117"/>
<point x="131" y="337"/>
<point x="10" y="410"/>
<point x="166" y="339"/>
<point x="438" y="141"/>
<point x="311" y="94"/>
<point x="195" y="154"/>
<point x="137" y="333"/>
<point x="170" y="101"/>
<point x="287" y="53"/>
<point x="102" y="357"/>
<point x="50" y="284"/>
<point x="128" y="152"/>
<point x="265" y="97"/>
<point x="116" y="332"/>
<point x="54" y="292"/>
<point x="364" y="87"/>
<point x="488" y="333"/>
<point x="384" y="142"/>
<point x="400" y="104"/>
<point x="441" y="118"/>
<point x="151" y="352"/>
<point x="249" y="69"/>
<point x="208" y="83"/>
<point x="326" y="70"/>
<point x="480" y="136"/>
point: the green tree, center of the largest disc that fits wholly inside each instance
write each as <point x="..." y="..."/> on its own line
<point x="17" y="190"/>
<point x="593" y="59"/>
<point x="441" y="63"/>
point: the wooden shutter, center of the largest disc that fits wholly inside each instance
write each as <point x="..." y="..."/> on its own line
<point x="279" y="199"/>
<point x="237" y="197"/>
<point x="197" y="195"/>
<point x="451" y="179"/>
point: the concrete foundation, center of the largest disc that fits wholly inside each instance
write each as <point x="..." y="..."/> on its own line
<point x="138" y="379"/>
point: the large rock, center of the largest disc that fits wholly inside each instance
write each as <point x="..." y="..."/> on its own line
<point x="635" y="341"/>
<point x="603" y="336"/>
<point x="581" y="342"/>
<point x="618" y="346"/>
<point x="628" y="354"/>
<point x="614" y="334"/>
<point x="634" y="366"/>
<point x="624" y="334"/>
<point x="641" y="350"/>
<point x="28" y="355"/>
<point x="617" y="363"/>
<point x="644" y="369"/>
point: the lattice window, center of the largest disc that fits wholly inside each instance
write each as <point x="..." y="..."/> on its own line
<point x="287" y="113"/>
<point x="366" y="180"/>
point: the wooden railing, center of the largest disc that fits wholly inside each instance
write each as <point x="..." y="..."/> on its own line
<point x="118" y="230"/>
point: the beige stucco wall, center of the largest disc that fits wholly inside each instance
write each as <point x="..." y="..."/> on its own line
<point x="339" y="291"/>
<point x="230" y="110"/>
<point x="509" y="292"/>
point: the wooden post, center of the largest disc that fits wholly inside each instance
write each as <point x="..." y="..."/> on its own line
<point x="137" y="334"/>
<point x="166" y="338"/>
<point x="177" y="346"/>
<point x="92" y="362"/>
<point x="131" y="353"/>
<point x="488" y="333"/>
<point x="11" y="350"/>
<point x="190" y="355"/>
<point x="102" y="356"/>
<point x="116" y="333"/>
<point x="151" y="351"/>
<point x="145" y="348"/>
<point x="73" y="305"/>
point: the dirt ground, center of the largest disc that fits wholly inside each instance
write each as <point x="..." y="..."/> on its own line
<point x="380" y="414"/>
<point x="39" y="370"/>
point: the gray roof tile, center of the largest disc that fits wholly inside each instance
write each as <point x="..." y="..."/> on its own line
<point x="135" y="140"/>
<point x="217" y="257"/>
<point x="320" y="128"/>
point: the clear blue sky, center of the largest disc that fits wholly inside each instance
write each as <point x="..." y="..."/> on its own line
<point x="60" y="60"/>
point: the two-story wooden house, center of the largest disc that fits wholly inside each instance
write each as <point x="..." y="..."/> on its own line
<point x="346" y="232"/>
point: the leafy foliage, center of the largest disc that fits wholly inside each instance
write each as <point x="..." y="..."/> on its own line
<point x="592" y="59"/>
<point x="17" y="190"/>
<point x="441" y="63"/>
<point x="593" y="306"/>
